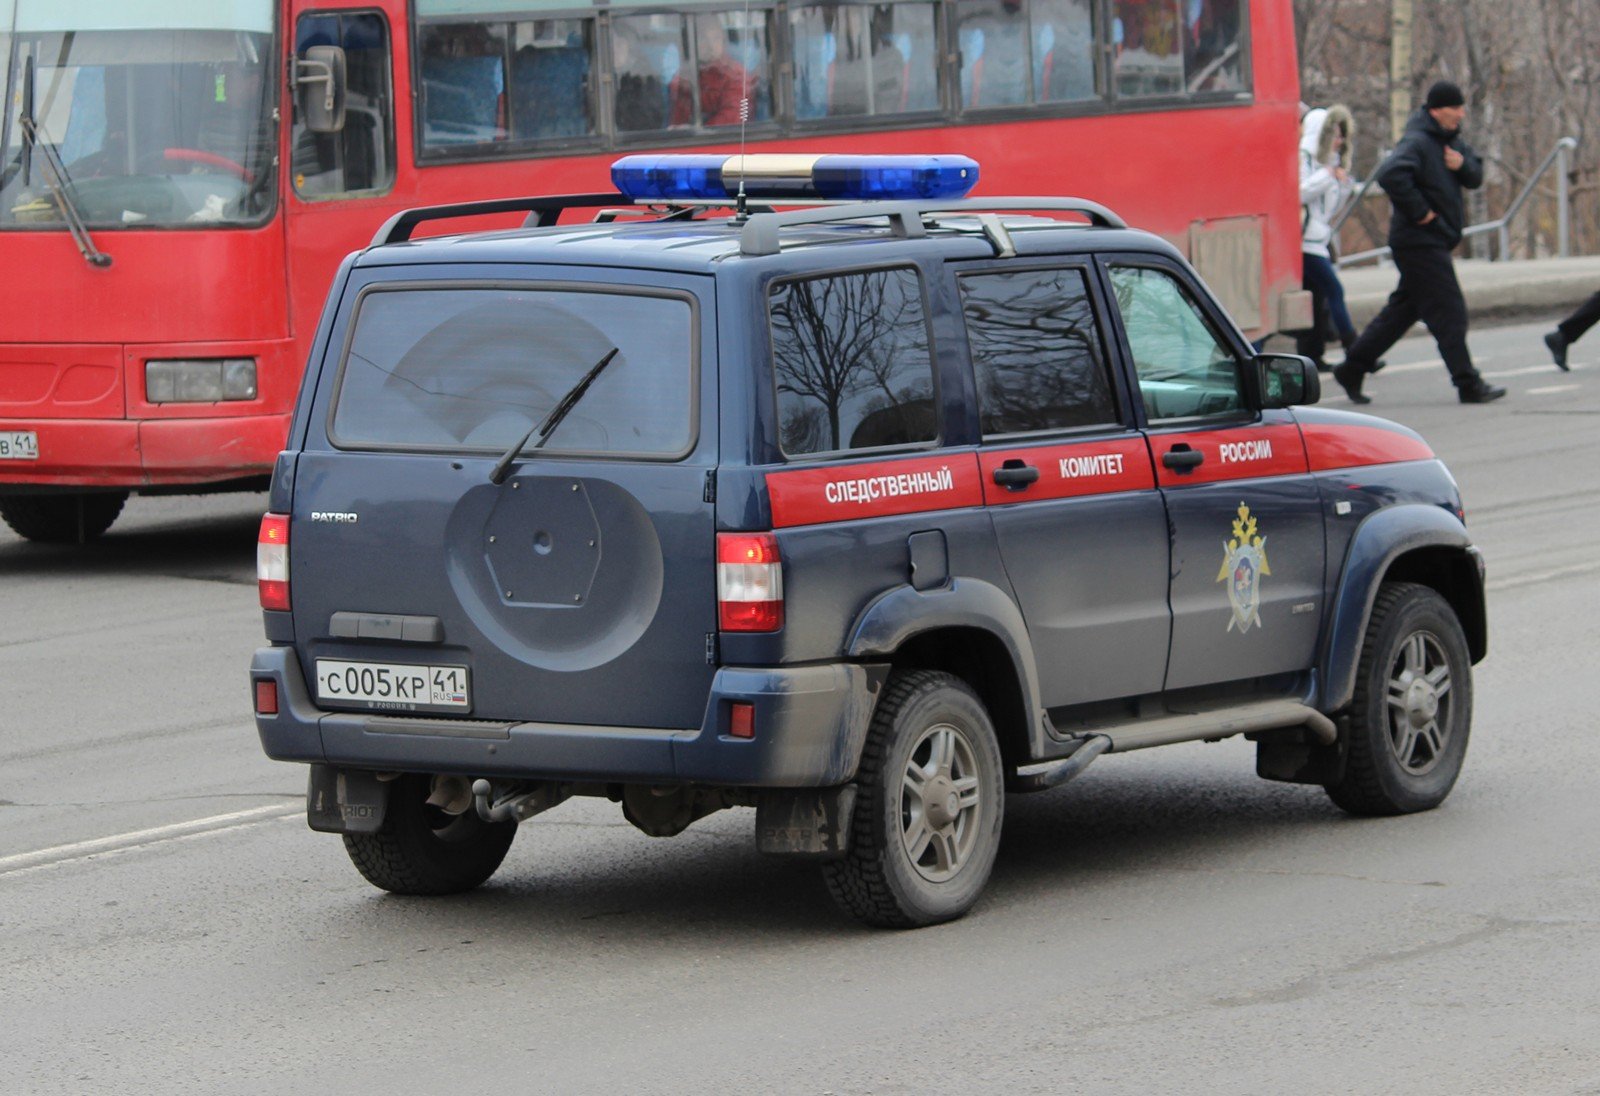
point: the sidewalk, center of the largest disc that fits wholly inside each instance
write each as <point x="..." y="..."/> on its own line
<point x="1519" y="289"/>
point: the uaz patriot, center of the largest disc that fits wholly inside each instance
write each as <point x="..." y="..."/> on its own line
<point x="862" y="514"/>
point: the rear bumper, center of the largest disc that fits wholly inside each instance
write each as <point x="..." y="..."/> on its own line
<point x="135" y="453"/>
<point x="811" y="723"/>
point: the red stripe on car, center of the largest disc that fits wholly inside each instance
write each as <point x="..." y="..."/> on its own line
<point x="1245" y="452"/>
<point x="843" y="492"/>
<point x="1100" y="467"/>
<point x="1329" y="446"/>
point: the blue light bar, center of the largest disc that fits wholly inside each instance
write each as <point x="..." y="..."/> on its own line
<point x="770" y="177"/>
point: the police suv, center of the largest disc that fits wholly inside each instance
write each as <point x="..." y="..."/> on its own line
<point x="862" y="514"/>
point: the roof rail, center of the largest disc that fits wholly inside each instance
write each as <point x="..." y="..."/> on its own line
<point x="761" y="235"/>
<point x="542" y="212"/>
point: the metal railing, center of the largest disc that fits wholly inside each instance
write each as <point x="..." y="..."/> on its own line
<point x="1560" y="155"/>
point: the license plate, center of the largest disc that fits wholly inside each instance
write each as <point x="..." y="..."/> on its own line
<point x="19" y="445"/>
<point x="394" y="687"/>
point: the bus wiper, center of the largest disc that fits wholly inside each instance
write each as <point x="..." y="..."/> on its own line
<point x="553" y="419"/>
<point x="55" y="174"/>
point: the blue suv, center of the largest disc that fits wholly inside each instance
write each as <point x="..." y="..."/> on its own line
<point x="862" y="515"/>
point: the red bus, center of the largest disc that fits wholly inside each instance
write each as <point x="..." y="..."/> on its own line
<point x="180" y="178"/>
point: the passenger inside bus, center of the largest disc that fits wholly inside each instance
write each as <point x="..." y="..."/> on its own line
<point x="994" y="52"/>
<point x="869" y="75"/>
<point x="641" y="96"/>
<point x="724" y="83"/>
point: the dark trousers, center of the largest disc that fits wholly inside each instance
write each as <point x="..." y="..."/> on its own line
<point x="1428" y="291"/>
<point x="1573" y="327"/>
<point x="1327" y="303"/>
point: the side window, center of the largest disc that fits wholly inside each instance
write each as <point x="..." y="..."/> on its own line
<point x="1184" y="369"/>
<point x="359" y="158"/>
<point x="1212" y="47"/>
<point x="863" y="59"/>
<point x="1035" y="351"/>
<point x="1147" y="46"/>
<point x="1025" y="51"/>
<point x="462" y="72"/>
<point x="852" y="363"/>
<point x="550" y="92"/>
<point x="730" y="61"/>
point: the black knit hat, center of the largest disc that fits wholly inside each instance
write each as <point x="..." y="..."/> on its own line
<point x="1445" y="94"/>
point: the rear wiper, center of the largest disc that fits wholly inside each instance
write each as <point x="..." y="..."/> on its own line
<point x="553" y="419"/>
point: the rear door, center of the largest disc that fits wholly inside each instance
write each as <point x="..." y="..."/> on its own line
<point x="580" y="589"/>
<point x="1245" y="514"/>
<point x="1068" y="483"/>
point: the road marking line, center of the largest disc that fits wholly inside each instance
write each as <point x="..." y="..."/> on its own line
<point x="1549" y="388"/>
<point x="1529" y="579"/>
<point x="1524" y="371"/>
<point x="155" y="835"/>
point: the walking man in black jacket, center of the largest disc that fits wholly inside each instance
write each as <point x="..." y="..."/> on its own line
<point x="1424" y="177"/>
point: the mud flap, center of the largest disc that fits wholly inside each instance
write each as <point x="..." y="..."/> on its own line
<point x="1293" y="758"/>
<point x="339" y="801"/>
<point x="806" y="822"/>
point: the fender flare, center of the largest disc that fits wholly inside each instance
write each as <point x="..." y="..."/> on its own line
<point x="1383" y="537"/>
<point x="903" y="613"/>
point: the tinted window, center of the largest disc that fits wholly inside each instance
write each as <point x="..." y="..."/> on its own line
<point x="360" y="157"/>
<point x="850" y="355"/>
<point x="1035" y="351"/>
<point x="466" y="368"/>
<point x="1184" y="369"/>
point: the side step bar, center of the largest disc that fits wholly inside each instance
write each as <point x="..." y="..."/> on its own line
<point x="1209" y="724"/>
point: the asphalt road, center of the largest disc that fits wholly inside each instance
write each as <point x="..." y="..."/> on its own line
<point x="1167" y="923"/>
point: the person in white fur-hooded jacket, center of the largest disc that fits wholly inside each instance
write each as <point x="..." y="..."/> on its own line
<point x="1325" y="142"/>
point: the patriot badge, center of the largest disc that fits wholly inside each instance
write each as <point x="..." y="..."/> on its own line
<point x="1244" y="562"/>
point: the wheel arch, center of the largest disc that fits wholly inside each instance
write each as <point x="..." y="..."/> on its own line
<point x="970" y="629"/>
<point x="1410" y="543"/>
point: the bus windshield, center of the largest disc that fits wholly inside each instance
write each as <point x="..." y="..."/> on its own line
<point x="138" y="126"/>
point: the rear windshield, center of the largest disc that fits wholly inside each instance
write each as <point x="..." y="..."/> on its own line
<point x="430" y="367"/>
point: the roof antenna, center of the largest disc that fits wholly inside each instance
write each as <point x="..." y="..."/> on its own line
<point x="741" y="210"/>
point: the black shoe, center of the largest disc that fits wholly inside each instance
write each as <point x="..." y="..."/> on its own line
<point x="1557" y="342"/>
<point x="1350" y="380"/>
<point x="1482" y="392"/>
<point x="1322" y="366"/>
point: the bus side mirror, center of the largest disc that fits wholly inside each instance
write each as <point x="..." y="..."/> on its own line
<point x="1286" y="380"/>
<point x="319" y="80"/>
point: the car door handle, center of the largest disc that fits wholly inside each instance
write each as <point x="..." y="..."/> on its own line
<point x="1181" y="458"/>
<point x="1014" y="475"/>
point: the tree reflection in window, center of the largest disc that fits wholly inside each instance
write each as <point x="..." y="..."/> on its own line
<point x="851" y="360"/>
<point x="1035" y="351"/>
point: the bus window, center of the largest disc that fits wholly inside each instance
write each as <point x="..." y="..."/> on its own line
<point x="1063" y="51"/>
<point x="359" y="159"/>
<point x="993" y="36"/>
<point x="644" y="57"/>
<point x="732" y="54"/>
<point x="550" y="85"/>
<point x="859" y="60"/>
<point x="1146" y="42"/>
<point x="463" y="69"/>
<point x="1211" y="46"/>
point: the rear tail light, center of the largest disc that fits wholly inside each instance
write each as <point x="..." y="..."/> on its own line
<point x="266" y="697"/>
<point x="749" y="582"/>
<point x="272" y="562"/>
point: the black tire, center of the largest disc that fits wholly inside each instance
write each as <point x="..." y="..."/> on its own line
<point x="422" y="850"/>
<point x="62" y="519"/>
<point x="1406" y="733"/>
<point x="954" y="819"/>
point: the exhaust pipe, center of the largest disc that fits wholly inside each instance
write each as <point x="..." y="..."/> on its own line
<point x="451" y="794"/>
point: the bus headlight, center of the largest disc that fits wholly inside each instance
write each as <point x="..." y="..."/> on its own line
<point x="203" y="380"/>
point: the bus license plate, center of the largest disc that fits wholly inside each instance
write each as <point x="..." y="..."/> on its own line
<point x="19" y="445"/>
<point x="393" y="687"/>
